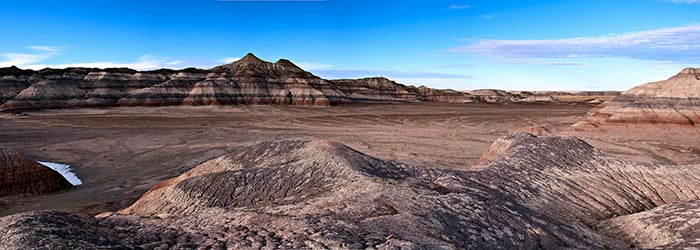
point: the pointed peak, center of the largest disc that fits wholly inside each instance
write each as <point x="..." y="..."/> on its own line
<point x="690" y="71"/>
<point x="250" y="57"/>
<point x="286" y="63"/>
<point x="283" y="61"/>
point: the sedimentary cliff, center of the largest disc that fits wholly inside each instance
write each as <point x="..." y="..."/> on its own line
<point x="246" y="81"/>
<point x="672" y="101"/>
<point x="379" y="88"/>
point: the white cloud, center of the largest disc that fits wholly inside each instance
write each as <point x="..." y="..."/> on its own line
<point x="460" y="7"/>
<point x="51" y="49"/>
<point x="39" y="53"/>
<point x="679" y="43"/>
<point x="358" y="73"/>
<point x="229" y="59"/>
<point x="173" y="63"/>
<point x="313" y="66"/>
<point x="683" y="1"/>
<point x="145" y="62"/>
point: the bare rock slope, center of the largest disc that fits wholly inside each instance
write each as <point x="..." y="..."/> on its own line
<point x="672" y="226"/>
<point x="246" y="81"/>
<point x="22" y="176"/>
<point x="530" y="193"/>
<point x="672" y="101"/>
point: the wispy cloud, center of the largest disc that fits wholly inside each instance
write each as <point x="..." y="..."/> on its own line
<point x="683" y="1"/>
<point x="460" y="7"/>
<point x="355" y="73"/>
<point x="513" y="61"/>
<point x="679" y="43"/>
<point x="313" y="66"/>
<point x="48" y="49"/>
<point x="145" y="62"/>
<point x="171" y="63"/>
<point x="37" y="54"/>
<point x="528" y="62"/>
<point x="229" y="59"/>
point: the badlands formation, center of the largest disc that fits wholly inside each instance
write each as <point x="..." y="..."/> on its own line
<point x="246" y="81"/>
<point x="672" y="101"/>
<point x="286" y="188"/>
<point x="549" y="192"/>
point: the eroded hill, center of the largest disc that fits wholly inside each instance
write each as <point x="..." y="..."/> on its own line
<point x="534" y="192"/>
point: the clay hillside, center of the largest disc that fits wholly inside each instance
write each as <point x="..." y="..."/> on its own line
<point x="530" y="193"/>
<point x="249" y="80"/>
<point x="246" y="81"/>
<point x="23" y="178"/>
<point x="673" y="101"/>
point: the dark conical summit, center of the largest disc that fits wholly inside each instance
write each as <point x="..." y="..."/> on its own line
<point x="251" y="62"/>
<point x="250" y="58"/>
<point x="288" y="65"/>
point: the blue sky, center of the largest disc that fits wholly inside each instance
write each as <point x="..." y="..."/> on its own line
<point x="459" y="44"/>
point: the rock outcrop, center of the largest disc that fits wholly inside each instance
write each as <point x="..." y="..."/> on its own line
<point x="672" y="226"/>
<point x="531" y="193"/>
<point x="673" y="101"/>
<point x="568" y="179"/>
<point x="379" y="88"/>
<point x="495" y="95"/>
<point x="22" y="176"/>
<point x="249" y="80"/>
<point x="246" y="81"/>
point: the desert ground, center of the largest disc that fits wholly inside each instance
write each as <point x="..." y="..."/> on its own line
<point x="120" y="153"/>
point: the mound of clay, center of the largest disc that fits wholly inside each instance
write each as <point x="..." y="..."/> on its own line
<point x="380" y="88"/>
<point x="503" y="144"/>
<point x="359" y="200"/>
<point x="673" y="101"/>
<point x="320" y="194"/>
<point x="495" y="95"/>
<point x="22" y="176"/>
<point x="568" y="179"/>
<point x="672" y="226"/>
<point x="533" y="193"/>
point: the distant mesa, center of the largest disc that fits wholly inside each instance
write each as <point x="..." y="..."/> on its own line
<point x="672" y="101"/>
<point x="248" y="80"/>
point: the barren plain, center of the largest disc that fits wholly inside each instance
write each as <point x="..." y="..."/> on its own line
<point x="120" y="153"/>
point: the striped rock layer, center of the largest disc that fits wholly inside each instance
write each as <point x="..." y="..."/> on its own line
<point x="246" y="81"/>
<point x="672" y="101"/>
<point x="22" y="176"/>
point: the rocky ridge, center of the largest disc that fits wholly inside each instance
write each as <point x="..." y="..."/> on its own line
<point x="531" y="192"/>
<point x="672" y="101"/>
<point x="246" y="81"/>
<point x="249" y="80"/>
<point x="672" y="226"/>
